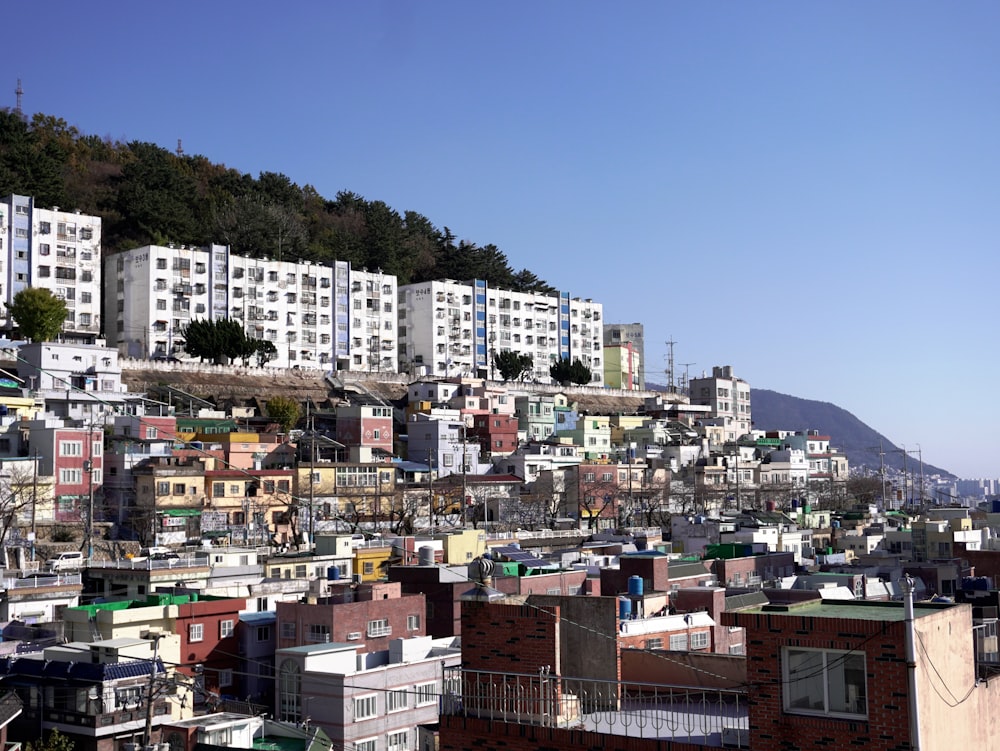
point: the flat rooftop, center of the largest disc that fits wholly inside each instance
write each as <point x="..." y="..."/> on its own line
<point x="864" y="610"/>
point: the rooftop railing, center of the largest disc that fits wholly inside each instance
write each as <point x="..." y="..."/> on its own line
<point x="710" y="717"/>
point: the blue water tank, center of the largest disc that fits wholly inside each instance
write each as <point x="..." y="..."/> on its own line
<point x="995" y="506"/>
<point x="795" y="503"/>
<point x="635" y="586"/>
<point x="624" y="609"/>
<point x="332" y="573"/>
<point x="836" y="523"/>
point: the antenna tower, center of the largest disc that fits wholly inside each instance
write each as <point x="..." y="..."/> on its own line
<point x="180" y="149"/>
<point x="19" y="93"/>
<point x="671" y="387"/>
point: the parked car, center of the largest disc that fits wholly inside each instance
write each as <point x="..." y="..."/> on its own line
<point x="71" y="561"/>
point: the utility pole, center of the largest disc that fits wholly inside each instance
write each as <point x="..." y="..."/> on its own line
<point x="310" y="420"/>
<point x="88" y="467"/>
<point x="34" y="502"/>
<point x="465" y="485"/>
<point x="147" y="735"/>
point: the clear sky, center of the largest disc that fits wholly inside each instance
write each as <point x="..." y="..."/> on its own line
<point x="806" y="191"/>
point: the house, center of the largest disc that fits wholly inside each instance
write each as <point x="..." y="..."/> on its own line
<point x="366" y="700"/>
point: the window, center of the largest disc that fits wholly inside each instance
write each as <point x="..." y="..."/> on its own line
<point x="379" y="627"/>
<point x="656" y="643"/>
<point x="824" y="681"/>
<point x="678" y="641"/>
<point x="44" y="271"/>
<point x="71" y="476"/>
<point x="263" y="632"/>
<point x="395" y="700"/>
<point x="179" y="488"/>
<point x="196" y="632"/>
<point x="365" y="745"/>
<point x="225" y="629"/>
<point x="369" y="568"/>
<point x="71" y="448"/>
<point x="699" y="640"/>
<point x="397" y="741"/>
<point x="365" y="707"/>
<point x="425" y="693"/>
<point x="317" y="633"/>
<point x="225" y="678"/>
<point x="412" y="622"/>
<point x="287" y="630"/>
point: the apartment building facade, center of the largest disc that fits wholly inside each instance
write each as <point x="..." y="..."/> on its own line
<point x="728" y="397"/>
<point x="316" y="316"/>
<point x="449" y="328"/>
<point x="55" y="250"/>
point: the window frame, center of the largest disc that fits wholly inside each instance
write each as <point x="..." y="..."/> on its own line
<point x="832" y="659"/>
<point x="366" y="702"/>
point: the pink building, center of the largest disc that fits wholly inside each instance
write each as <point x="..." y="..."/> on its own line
<point x="74" y="458"/>
<point x="364" y="429"/>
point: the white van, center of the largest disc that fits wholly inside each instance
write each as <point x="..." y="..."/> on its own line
<point x="66" y="562"/>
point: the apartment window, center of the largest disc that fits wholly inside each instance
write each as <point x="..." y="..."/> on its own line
<point x="588" y="477"/>
<point x="656" y="643"/>
<point x="225" y="629"/>
<point x="71" y="476"/>
<point x="397" y="741"/>
<point x="365" y="707"/>
<point x="225" y="678"/>
<point x="736" y="649"/>
<point x="287" y="630"/>
<point x="179" y="488"/>
<point x="44" y="271"/>
<point x="395" y="700"/>
<point x="196" y="632"/>
<point x="379" y="627"/>
<point x="317" y="633"/>
<point x="824" y="681"/>
<point x="365" y="745"/>
<point x="426" y="693"/>
<point x="412" y="622"/>
<point x="699" y="640"/>
<point x="161" y="263"/>
<point x="218" y="489"/>
<point x="678" y="642"/>
<point x="263" y="632"/>
<point x="71" y="448"/>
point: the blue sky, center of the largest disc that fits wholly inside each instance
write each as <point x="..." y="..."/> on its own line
<point x="804" y="191"/>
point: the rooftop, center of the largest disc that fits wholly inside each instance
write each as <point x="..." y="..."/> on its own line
<point x="863" y="610"/>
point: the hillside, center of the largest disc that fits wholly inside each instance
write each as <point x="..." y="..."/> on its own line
<point x="774" y="411"/>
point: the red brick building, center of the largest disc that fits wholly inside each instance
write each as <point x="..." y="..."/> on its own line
<point x="207" y="629"/>
<point x="372" y="614"/>
<point x="495" y="433"/>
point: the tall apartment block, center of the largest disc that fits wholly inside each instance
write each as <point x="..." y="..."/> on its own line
<point x="56" y="250"/>
<point x="317" y="316"/>
<point x="728" y="396"/>
<point x="449" y="328"/>
<point x="629" y="336"/>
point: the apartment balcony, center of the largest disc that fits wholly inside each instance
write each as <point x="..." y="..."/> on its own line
<point x="102" y="723"/>
<point x="689" y="714"/>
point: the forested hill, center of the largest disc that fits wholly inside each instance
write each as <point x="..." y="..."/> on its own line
<point x="146" y="194"/>
<point x="774" y="411"/>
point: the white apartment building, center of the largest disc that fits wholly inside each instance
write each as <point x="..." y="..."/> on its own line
<point x="56" y="250"/>
<point x="316" y="316"/>
<point x="449" y="329"/>
<point x="728" y="397"/>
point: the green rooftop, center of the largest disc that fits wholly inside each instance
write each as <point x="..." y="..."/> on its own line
<point x="862" y="610"/>
<point x="157" y="600"/>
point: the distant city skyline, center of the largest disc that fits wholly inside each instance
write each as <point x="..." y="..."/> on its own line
<point x="805" y="192"/>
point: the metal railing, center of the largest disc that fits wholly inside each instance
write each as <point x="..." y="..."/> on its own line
<point x="43" y="580"/>
<point x="683" y="713"/>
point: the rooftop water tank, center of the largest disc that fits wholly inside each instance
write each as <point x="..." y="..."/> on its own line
<point x="635" y="586"/>
<point x="624" y="609"/>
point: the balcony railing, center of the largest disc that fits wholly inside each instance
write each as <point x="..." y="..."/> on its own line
<point x="710" y="717"/>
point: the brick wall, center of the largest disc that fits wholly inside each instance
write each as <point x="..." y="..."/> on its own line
<point x="887" y="725"/>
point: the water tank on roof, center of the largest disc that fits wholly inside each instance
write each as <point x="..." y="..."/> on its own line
<point x="332" y="573"/>
<point x="807" y="509"/>
<point x="836" y="523"/>
<point x="624" y="609"/>
<point x="426" y="554"/>
<point x="699" y="519"/>
<point x="635" y="586"/>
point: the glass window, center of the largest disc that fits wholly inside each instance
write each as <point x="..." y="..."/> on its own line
<point x="824" y="681"/>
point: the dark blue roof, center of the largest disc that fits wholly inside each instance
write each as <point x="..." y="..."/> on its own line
<point x="84" y="671"/>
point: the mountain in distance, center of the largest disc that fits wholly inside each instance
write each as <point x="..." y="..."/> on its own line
<point x="774" y="411"/>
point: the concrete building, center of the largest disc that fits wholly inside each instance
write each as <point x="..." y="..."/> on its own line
<point x="622" y="367"/>
<point x="450" y="328"/>
<point x="316" y="316"/>
<point x="630" y="335"/>
<point x="728" y="397"/>
<point x="55" y="250"/>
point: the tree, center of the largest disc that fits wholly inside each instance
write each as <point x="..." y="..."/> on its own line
<point x="512" y="365"/>
<point x="266" y="351"/>
<point x="39" y="314"/>
<point x="55" y="742"/>
<point x="566" y="372"/>
<point x="284" y="410"/>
